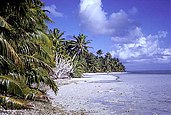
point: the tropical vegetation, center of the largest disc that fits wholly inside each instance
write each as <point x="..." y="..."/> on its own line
<point x="26" y="53"/>
<point x="31" y="55"/>
<point x="99" y="63"/>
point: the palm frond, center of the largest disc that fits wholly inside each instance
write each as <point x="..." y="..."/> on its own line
<point x="11" y="85"/>
<point x="16" y="86"/>
<point x="4" y="24"/>
<point x="29" y="47"/>
<point x="39" y="75"/>
<point x="11" y="103"/>
<point x="6" y="63"/>
<point x="35" y="62"/>
<point x="8" y="51"/>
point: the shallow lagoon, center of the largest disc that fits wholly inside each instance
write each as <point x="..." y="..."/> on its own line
<point x="140" y="94"/>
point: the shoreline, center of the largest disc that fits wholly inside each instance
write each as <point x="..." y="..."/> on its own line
<point x="103" y="94"/>
<point x="55" y="108"/>
<point x="76" y="94"/>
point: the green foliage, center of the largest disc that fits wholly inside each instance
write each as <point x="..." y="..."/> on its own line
<point x="11" y="85"/>
<point x="78" y="46"/>
<point x="99" y="53"/>
<point x="26" y="51"/>
<point x="78" y="68"/>
<point x="103" y="64"/>
<point x="12" y="103"/>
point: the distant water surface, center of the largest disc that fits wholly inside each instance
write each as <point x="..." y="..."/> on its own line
<point x="151" y="72"/>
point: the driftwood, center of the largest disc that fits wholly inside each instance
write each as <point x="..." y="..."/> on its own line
<point x="64" y="66"/>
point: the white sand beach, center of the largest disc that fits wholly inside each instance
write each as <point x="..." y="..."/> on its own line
<point x="74" y="97"/>
<point x="78" y="93"/>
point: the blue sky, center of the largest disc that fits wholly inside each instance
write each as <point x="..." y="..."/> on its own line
<point x="138" y="32"/>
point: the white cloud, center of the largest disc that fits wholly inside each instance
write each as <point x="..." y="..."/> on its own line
<point x="93" y="17"/>
<point x="52" y="9"/>
<point x="129" y="38"/>
<point x="96" y="20"/>
<point x="144" y="49"/>
<point x="130" y="43"/>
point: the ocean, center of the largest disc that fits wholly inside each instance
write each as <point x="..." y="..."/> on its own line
<point x="139" y="93"/>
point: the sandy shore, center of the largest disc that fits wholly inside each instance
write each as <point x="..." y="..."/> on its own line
<point x="77" y="94"/>
<point x="74" y="97"/>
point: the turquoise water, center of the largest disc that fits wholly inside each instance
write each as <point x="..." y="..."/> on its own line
<point x="139" y="94"/>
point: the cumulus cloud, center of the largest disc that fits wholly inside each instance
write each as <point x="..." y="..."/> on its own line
<point x="52" y="9"/>
<point x="93" y="17"/>
<point x="97" y="21"/>
<point x="130" y="44"/>
<point x="145" y="48"/>
<point x="129" y="38"/>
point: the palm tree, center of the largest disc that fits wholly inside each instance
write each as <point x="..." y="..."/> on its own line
<point x="108" y="55"/>
<point x="79" y="45"/>
<point x="99" y="53"/>
<point x="24" y="59"/>
<point x="58" y="42"/>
